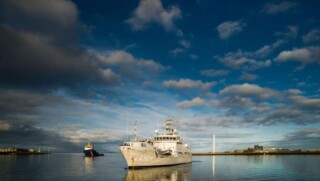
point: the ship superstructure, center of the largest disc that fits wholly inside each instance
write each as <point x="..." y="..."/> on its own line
<point x="166" y="148"/>
<point x="89" y="151"/>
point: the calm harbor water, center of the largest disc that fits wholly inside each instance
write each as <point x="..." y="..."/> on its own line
<point x="112" y="167"/>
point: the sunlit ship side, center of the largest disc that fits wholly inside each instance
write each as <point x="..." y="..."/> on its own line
<point x="165" y="148"/>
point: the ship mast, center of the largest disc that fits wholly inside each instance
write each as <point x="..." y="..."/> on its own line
<point x="135" y="132"/>
<point x="168" y="125"/>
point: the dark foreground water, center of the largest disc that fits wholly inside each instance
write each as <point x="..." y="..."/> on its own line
<point x="74" y="167"/>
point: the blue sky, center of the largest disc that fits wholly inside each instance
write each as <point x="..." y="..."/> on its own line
<point x="74" y="71"/>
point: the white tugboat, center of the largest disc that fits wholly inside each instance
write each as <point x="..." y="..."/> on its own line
<point x="166" y="148"/>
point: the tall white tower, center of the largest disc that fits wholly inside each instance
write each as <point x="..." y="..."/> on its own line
<point x="214" y="144"/>
<point x="213" y="156"/>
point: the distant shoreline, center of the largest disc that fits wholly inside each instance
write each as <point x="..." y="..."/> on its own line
<point x="24" y="153"/>
<point x="257" y="153"/>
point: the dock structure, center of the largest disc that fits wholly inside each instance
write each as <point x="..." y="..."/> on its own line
<point x="255" y="153"/>
<point x="7" y="150"/>
<point x="21" y="151"/>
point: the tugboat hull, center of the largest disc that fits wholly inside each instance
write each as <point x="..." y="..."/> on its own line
<point x="89" y="151"/>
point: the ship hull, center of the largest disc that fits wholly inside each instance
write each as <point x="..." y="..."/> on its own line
<point x="149" y="158"/>
<point x="91" y="153"/>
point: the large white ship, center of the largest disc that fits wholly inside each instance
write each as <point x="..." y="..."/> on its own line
<point x="165" y="148"/>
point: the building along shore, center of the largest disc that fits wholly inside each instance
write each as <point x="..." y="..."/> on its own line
<point x="260" y="150"/>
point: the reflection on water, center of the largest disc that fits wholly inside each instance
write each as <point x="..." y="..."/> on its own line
<point x="88" y="165"/>
<point x="261" y="167"/>
<point x="73" y="167"/>
<point x="213" y="166"/>
<point x="168" y="173"/>
<point x="304" y="164"/>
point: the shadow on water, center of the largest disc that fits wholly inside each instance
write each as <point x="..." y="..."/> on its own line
<point x="170" y="173"/>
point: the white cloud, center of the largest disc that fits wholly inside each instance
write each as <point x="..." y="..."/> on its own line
<point x="283" y="114"/>
<point x="186" y="44"/>
<point x="246" y="100"/>
<point x="292" y="32"/>
<point x="241" y="60"/>
<point x="179" y="33"/>
<point x="5" y="127"/>
<point x="117" y="58"/>
<point x="123" y="58"/>
<point x="34" y="16"/>
<point x="307" y="136"/>
<point x="312" y="36"/>
<point x="244" y="60"/>
<point x="305" y="102"/>
<point x="152" y="11"/>
<point x="249" y="90"/>
<point x="214" y="73"/>
<point x="294" y="91"/>
<point x="205" y="123"/>
<point x="183" y="49"/>
<point x="273" y="8"/>
<point x="194" y="57"/>
<point x="304" y="55"/>
<point x="305" y="133"/>
<point x="192" y="103"/>
<point x="188" y="84"/>
<point x="177" y="51"/>
<point x="301" y="84"/>
<point x="150" y="65"/>
<point x="109" y="76"/>
<point x="248" y="76"/>
<point x="267" y="49"/>
<point x="62" y="14"/>
<point x="98" y="135"/>
<point x="229" y="28"/>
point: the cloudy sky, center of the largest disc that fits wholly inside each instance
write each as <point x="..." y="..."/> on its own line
<point x="74" y="71"/>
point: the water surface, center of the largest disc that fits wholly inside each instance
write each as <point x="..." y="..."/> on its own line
<point x="112" y="167"/>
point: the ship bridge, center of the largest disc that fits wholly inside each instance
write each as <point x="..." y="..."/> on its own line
<point x="169" y="134"/>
